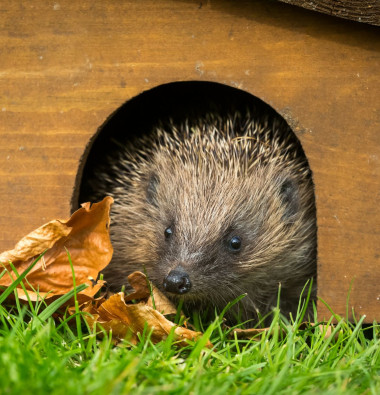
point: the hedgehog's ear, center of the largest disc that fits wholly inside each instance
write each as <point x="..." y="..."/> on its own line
<point x="151" y="190"/>
<point x="289" y="194"/>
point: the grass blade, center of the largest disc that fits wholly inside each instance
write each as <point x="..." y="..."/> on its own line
<point x="10" y="289"/>
<point x="53" y="307"/>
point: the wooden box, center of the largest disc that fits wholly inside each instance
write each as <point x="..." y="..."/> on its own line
<point x="66" y="66"/>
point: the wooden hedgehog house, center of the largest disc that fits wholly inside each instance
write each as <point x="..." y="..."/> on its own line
<point x="77" y="74"/>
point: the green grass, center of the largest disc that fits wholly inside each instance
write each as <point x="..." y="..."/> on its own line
<point x="40" y="355"/>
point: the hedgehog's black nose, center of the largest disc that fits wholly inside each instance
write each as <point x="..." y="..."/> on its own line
<point x="177" y="281"/>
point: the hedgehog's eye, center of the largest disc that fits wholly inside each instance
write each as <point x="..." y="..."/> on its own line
<point x="168" y="232"/>
<point x="235" y="243"/>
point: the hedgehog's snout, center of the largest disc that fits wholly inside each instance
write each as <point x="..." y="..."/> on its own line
<point x="177" y="281"/>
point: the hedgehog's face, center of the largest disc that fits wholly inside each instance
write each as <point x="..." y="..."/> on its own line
<point x="218" y="235"/>
<point x="198" y="266"/>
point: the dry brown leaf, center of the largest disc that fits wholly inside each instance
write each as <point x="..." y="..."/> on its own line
<point x="128" y="321"/>
<point x="36" y="242"/>
<point x="328" y="331"/>
<point x="86" y="237"/>
<point x="161" y="303"/>
<point x="140" y="284"/>
<point x="83" y="297"/>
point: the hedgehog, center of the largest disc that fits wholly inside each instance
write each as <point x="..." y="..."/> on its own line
<point x="213" y="209"/>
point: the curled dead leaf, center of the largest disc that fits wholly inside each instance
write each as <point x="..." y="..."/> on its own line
<point x="161" y="303"/>
<point x="36" y="242"/>
<point x="143" y="289"/>
<point x="85" y="235"/>
<point x="129" y="320"/>
<point x="139" y="282"/>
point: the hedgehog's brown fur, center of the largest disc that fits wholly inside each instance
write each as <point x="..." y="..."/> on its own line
<point x="209" y="182"/>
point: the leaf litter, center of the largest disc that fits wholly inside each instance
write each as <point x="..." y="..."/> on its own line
<point x="85" y="236"/>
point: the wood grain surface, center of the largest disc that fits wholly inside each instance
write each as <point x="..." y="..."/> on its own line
<point x="66" y="66"/>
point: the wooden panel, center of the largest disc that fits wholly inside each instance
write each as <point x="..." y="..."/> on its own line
<point x="367" y="11"/>
<point x="65" y="66"/>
